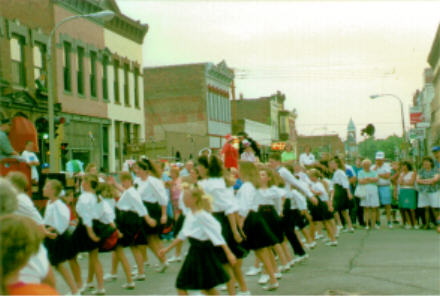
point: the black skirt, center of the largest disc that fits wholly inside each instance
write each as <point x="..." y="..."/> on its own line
<point x="258" y="233"/>
<point x="320" y="212"/>
<point x="201" y="270"/>
<point x="178" y="226"/>
<point x="129" y="224"/>
<point x="81" y="239"/>
<point x="273" y="220"/>
<point x="341" y="201"/>
<point x="293" y="218"/>
<point x="236" y="248"/>
<point x="107" y="234"/>
<point x="155" y="212"/>
<point x="59" y="249"/>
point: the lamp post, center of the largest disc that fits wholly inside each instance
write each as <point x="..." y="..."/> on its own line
<point x="401" y="114"/>
<point x="104" y="15"/>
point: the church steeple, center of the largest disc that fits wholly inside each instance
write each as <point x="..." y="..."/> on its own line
<point x="351" y="127"/>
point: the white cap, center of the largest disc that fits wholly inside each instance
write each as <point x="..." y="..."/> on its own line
<point x="380" y="155"/>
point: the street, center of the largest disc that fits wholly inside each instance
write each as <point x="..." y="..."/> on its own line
<point x="380" y="262"/>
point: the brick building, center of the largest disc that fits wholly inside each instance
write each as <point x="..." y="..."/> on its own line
<point x="85" y="53"/>
<point x="319" y="144"/>
<point x="187" y="108"/>
<point x="434" y="62"/>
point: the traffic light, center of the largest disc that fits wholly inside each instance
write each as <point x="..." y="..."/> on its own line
<point x="42" y="125"/>
<point x="64" y="150"/>
<point x="59" y="122"/>
<point x="369" y="130"/>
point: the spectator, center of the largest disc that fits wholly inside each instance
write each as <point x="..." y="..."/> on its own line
<point x="229" y="153"/>
<point x="384" y="173"/>
<point x="32" y="160"/>
<point x="249" y="153"/>
<point x="288" y="154"/>
<point x="185" y="172"/>
<point x="436" y="152"/>
<point x="307" y="159"/>
<point x="407" y="194"/>
<point x="427" y="180"/>
<point x="369" y="178"/>
<point x="6" y="149"/>
<point x="244" y="136"/>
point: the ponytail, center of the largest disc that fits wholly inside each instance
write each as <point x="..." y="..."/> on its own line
<point x="147" y="165"/>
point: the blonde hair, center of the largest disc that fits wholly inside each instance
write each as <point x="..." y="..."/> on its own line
<point x="317" y="174"/>
<point x="125" y="176"/>
<point x="106" y="190"/>
<point x="55" y="185"/>
<point x="249" y="173"/>
<point x="19" y="180"/>
<point x="203" y="200"/>
<point x="20" y="238"/>
<point x="8" y="197"/>
<point x="271" y="182"/>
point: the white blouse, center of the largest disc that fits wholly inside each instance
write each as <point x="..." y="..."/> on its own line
<point x="131" y="201"/>
<point x="340" y="178"/>
<point x="27" y="208"/>
<point x="181" y="205"/>
<point x="57" y="215"/>
<point x="246" y="199"/>
<point x="267" y="196"/>
<point x="152" y="190"/>
<point x="223" y="198"/>
<point x="319" y="187"/>
<point x="104" y="212"/>
<point x="295" y="183"/>
<point x="202" y="226"/>
<point x="85" y="208"/>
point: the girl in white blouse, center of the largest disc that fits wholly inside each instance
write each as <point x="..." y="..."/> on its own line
<point x="201" y="270"/>
<point x="56" y="219"/>
<point x="155" y="199"/>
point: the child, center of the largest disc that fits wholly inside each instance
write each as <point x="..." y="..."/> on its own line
<point x="320" y="212"/>
<point x="201" y="270"/>
<point x="56" y="219"/>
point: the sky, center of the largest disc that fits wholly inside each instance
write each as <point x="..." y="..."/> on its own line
<point x="326" y="57"/>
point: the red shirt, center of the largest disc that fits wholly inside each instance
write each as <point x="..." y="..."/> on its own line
<point x="230" y="155"/>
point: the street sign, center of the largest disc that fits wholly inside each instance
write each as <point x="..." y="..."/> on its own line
<point x="423" y="124"/>
<point x="416" y="114"/>
<point x="278" y="146"/>
<point x="417" y="133"/>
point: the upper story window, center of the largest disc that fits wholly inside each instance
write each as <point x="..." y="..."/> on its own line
<point x="136" y="87"/>
<point x="67" y="66"/>
<point x="126" y="85"/>
<point x="80" y="73"/>
<point x="17" y="59"/>
<point x="116" y="82"/>
<point x="93" y="76"/>
<point x="40" y="65"/>
<point x="104" y="77"/>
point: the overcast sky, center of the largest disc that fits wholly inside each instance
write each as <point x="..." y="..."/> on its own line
<point x="327" y="57"/>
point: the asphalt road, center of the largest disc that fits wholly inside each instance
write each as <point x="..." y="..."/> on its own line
<point x="386" y="262"/>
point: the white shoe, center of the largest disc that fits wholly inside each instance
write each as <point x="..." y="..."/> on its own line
<point x="86" y="288"/>
<point x="367" y="227"/>
<point x="376" y="226"/>
<point x="253" y="271"/>
<point x="332" y="244"/>
<point x="407" y="227"/>
<point x="244" y="293"/>
<point x="278" y="275"/>
<point x="339" y="227"/>
<point x="139" y="278"/>
<point x="301" y="258"/>
<point x="325" y="239"/>
<point x="129" y="286"/>
<point x="351" y="230"/>
<point x="271" y="287"/>
<point x="99" y="292"/>
<point x="417" y="227"/>
<point x="163" y="267"/>
<point x="223" y="288"/>
<point x="291" y="263"/>
<point x="175" y="259"/>
<point x="110" y="277"/>
<point x="311" y="245"/>
<point x="264" y="279"/>
<point x="344" y="230"/>
<point x="318" y="236"/>
<point x="284" y="268"/>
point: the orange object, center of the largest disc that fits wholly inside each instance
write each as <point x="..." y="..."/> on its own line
<point x="22" y="131"/>
<point x="31" y="289"/>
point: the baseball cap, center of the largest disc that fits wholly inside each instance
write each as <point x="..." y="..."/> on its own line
<point x="435" y="148"/>
<point x="380" y="155"/>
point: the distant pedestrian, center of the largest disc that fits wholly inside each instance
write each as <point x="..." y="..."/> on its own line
<point x="384" y="173"/>
<point x="288" y="154"/>
<point x="428" y="186"/>
<point x="229" y="153"/>
<point x="408" y="194"/>
<point x="368" y="178"/>
<point x="307" y="159"/>
<point x="32" y="160"/>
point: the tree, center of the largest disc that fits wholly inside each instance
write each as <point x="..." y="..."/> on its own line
<point x="390" y="145"/>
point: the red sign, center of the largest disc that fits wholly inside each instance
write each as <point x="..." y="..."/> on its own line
<point x="416" y="115"/>
<point x="279" y="146"/>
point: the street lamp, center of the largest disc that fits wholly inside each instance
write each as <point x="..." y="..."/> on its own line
<point x="401" y="112"/>
<point x="104" y="15"/>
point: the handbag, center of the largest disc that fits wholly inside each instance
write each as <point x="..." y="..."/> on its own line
<point x="360" y="191"/>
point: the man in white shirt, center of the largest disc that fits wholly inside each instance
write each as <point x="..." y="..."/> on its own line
<point x="31" y="159"/>
<point x="307" y="159"/>
<point x="384" y="173"/>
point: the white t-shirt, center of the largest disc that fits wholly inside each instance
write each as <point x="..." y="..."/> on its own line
<point x="384" y="169"/>
<point x="36" y="269"/>
<point x="31" y="157"/>
<point x="305" y="159"/>
<point x="26" y="208"/>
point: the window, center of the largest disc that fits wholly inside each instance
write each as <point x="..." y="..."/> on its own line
<point x="80" y="74"/>
<point x="104" y="78"/>
<point x="67" y="66"/>
<point x="126" y="92"/>
<point x="116" y="82"/>
<point x="40" y="66"/>
<point x="135" y="134"/>
<point x="93" y="74"/>
<point x="17" y="59"/>
<point x="136" y="87"/>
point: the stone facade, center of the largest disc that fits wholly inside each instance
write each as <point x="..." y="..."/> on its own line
<point x="434" y="62"/>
